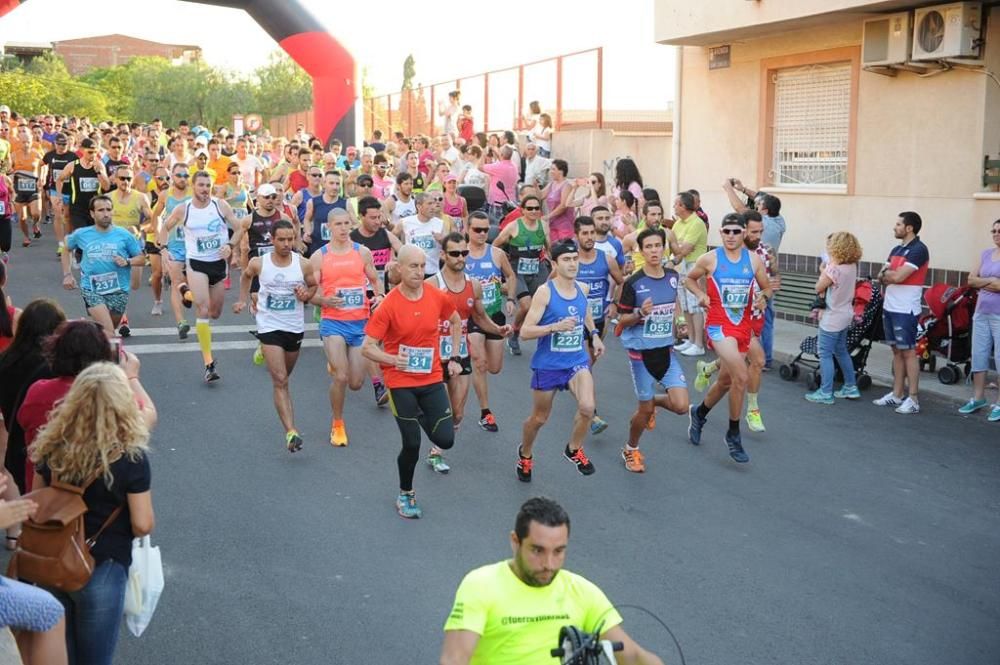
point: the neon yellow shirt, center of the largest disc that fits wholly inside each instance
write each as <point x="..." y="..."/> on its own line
<point x="692" y="230"/>
<point x="4" y="150"/>
<point x="519" y="624"/>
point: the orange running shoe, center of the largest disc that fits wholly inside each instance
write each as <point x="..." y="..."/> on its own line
<point x="338" y="434"/>
<point x="634" y="460"/>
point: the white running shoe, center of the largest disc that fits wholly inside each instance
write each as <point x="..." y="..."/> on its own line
<point x="908" y="406"/>
<point x="693" y="350"/>
<point x="157" y="309"/>
<point x="686" y="344"/>
<point x="887" y="400"/>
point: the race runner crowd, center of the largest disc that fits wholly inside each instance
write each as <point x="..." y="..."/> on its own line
<point x="424" y="261"/>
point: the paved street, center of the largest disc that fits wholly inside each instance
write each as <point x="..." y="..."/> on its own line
<point x="854" y="535"/>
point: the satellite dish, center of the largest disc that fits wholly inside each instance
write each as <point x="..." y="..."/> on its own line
<point x="930" y="32"/>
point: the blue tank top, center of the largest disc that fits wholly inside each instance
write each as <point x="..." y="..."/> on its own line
<point x="730" y="289"/>
<point x="595" y="276"/>
<point x="306" y="197"/>
<point x="321" y="209"/>
<point x="562" y="350"/>
<point x="175" y="237"/>
<point x="490" y="278"/>
<point x="656" y="330"/>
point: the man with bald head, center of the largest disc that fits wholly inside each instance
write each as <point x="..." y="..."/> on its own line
<point x="403" y="336"/>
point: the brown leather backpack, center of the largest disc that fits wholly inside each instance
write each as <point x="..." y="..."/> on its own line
<point x="52" y="550"/>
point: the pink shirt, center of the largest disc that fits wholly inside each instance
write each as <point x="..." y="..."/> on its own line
<point x="503" y="171"/>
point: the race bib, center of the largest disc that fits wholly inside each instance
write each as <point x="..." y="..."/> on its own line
<point x="180" y="232"/>
<point x="261" y="251"/>
<point x="280" y="303"/>
<point x="596" y="307"/>
<point x="206" y="245"/>
<point x="463" y="349"/>
<point x="3" y="208"/>
<point x="25" y="185"/>
<point x="491" y="294"/>
<point x="658" y="326"/>
<point x="89" y="184"/>
<point x="735" y="296"/>
<point x="425" y="243"/>
<point x="324" y="232"/>
<point x="567" y="342"/>
<point x="526" y="266"/>
<point x="104" y="283"/>
<point x="419" y="359"/>
<point x="354" y="298"/>
<point x="240" y="213"/>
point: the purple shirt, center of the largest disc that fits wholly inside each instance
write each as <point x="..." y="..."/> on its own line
<point x="503" y="171"/>
<point x="989" y="302"/>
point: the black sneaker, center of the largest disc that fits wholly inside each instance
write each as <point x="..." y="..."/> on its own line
<point x="489" y="423"/>
<point x="293" y="441"/>
<point x="187" y="298"/>
<point x="210" y="373"/>
<point x="695" y="425"/>
<point x="736" y="448"/>
<point x="183" y="328"/>
<point x="381" y="394"/>
<point x="523" y="467"/>
<point x="580" y="460"/>
<point x="124" y="330"/>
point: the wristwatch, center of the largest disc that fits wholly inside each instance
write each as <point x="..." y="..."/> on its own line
<point x="455" y="359"/>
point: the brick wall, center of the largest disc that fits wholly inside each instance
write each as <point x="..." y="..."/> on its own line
<point x="82" y="55"/>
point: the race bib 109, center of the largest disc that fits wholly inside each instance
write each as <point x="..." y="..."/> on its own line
<point x="206" y="245"/>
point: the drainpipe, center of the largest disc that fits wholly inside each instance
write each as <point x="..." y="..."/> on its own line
<point x="675" y="149"/>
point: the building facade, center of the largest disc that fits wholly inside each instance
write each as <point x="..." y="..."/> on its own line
<point x="776" y="93"/>
<point x="82" y="55"/>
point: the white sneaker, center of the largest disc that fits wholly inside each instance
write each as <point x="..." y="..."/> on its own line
<point x="157" y="309"/>
<point x="887" y="400"/>
<point x="908" y="406"/>
<point x="693" y="350"/>
<point x="686" y="344"/>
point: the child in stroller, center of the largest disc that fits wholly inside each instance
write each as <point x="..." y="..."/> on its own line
<point x="865" y="330"/>
<point x="946" y="330"/>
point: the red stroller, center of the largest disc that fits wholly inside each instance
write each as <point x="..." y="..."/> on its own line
<point x="946" y="331"/>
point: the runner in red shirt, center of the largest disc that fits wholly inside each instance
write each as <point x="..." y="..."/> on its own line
<point x="407" y="325"/>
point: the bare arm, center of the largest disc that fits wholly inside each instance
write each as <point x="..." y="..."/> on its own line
<point x="246" y="280"/>
<point x="371" y="350"/>
<point x="700" y="269"/>
<point x="505" y="236"/>
<point x="480" y="316"/>
<point x="734" y="199"/>
<point x="140" y="507"/>
<point x="458" y="647"/>
<point x="632" y="653"/>
<point x="500" y="259"/>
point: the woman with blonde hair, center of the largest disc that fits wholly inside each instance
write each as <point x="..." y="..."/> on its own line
<point x="97" y="438"/>
<point x="837" y="281"/>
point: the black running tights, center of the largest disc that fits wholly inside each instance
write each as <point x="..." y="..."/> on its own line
<point x="427" y="408"/>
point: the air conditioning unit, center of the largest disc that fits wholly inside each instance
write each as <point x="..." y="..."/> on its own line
<point x="947" y="31"/>
<point x="886" y="40"/>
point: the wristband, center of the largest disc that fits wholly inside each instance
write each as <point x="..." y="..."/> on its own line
<point x="595" y="331"/>
<point x="455" y="359"/>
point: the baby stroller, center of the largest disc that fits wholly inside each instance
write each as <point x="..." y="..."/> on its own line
<point x="866" y="329"/>
<point x="946" y="330"/>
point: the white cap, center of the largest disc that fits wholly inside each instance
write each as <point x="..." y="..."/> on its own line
<point x="267" y="189"/>
<point x="4" y="108"/>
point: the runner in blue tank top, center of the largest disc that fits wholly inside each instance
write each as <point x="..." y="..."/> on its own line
<point x="315" y="230"/>
<point x="560" y="320"/>
<point x="302" y="197"/>
<point x="178" y="193"/>
<point x="597" y="271"/>
<point x="646" y="313"/>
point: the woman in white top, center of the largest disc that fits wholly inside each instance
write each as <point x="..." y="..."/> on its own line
<point x="541" y="135"/>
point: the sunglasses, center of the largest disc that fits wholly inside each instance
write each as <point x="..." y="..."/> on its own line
<point x="532" y="208"/>
<point x="366" y="184"/>
<point x="182" y="175"/>
<point x="457" y="253"/>
<point x="479" y="229"/>
<point x="163" y="178"/>
<point x="61" y="143"/>
<point x="270" y="196"/>
<point x="315" y="175"/>
<point x="732" y="232"/>
<point x="125" y="178"/>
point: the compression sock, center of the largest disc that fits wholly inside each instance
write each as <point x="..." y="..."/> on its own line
<point x="752" y="402"/>
<point x="702" y="411"/>
<point x="204" y="331"/>
<point x="734" y="427"/>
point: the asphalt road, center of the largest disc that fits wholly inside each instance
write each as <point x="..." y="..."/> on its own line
<point x="854" y="535"/>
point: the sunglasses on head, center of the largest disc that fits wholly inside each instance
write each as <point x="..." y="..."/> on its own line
<point x="732" y="232"/>
<point x="455" y="253"/>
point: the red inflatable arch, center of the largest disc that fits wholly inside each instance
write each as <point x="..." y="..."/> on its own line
<point x="300" y="34"/>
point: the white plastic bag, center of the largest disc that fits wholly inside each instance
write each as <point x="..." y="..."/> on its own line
<point x="145" y="584"/>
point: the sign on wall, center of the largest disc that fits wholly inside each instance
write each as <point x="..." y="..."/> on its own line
<point x="718" y="57"/>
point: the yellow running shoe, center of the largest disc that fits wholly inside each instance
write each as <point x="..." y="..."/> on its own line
<point x="338" y="434"/>
<point x="258" y="355"/>
<point x="703" y="374"/>
<point x="754" y="421"/>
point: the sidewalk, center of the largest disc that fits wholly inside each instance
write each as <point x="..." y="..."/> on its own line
<point x="788" y="335"/>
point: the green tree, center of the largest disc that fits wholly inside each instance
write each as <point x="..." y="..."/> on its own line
<point x="409" y="72"/>
<point x="282" y="87"/>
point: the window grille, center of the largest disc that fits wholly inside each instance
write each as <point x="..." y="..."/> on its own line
<point x="812" y="116"/>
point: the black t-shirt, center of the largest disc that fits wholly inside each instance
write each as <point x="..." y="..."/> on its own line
<point x="128" y="477"/>
<point x="56" y="164"/>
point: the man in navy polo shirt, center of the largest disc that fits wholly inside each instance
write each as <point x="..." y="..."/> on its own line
<point x="903" y="277"/>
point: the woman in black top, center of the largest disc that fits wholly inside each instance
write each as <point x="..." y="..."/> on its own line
<point x="99" y="435"/>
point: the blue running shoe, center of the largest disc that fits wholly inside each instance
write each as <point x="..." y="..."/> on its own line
<point x="598" y="425"/>
<point x="736" y="448"/>
<point x="696" y="423"/>
<point x="406" y="506"/>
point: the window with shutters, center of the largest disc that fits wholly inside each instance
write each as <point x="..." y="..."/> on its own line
<point x="809" y="116"/>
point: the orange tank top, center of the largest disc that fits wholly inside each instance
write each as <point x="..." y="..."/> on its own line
<point x="464" y="301"/>
<point x="343" y="275"/>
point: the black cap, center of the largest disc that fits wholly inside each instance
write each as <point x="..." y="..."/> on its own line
<point x="563" y="247"/>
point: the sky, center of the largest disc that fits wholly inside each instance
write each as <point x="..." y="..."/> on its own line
<point x="478" y="36"/>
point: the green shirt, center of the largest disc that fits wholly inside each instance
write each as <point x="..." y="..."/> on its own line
<point x="519" y="624"/>
<point x="693" y="231"/>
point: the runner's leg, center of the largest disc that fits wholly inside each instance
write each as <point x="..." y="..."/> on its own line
<point x="280" y="364"/>
<point x="541" y="408"/>
<point x="582" y="387"/>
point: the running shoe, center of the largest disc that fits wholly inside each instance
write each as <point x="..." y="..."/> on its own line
<point x="436" y="462"/>
<point x="703" y="375"/>
<point x="634" y="460"/>
<point x="695" y="424"/>
<point x="597" y="424"/>
<point x="909" y="406"/>
<point x="580" y="460"/>
<point x="514" y="345"/>
<point x="847" y="392"/>
<point x="157" y="309"/>
<point x="210" y="373"/>
<point x="994" y="413"/>
<point x="227" y="283"/>
<point x="338" y="434"/>
<point x="693" y="350"/>
<point x="523" y="467"/>
<point x="258" y="355"/>
<point x="293" y="441"/>
<point x="735" y="445"/>
<point x="406" y="506"/>
<point x="683" y="345"/>
<point x="888" y="399"/>
<point x="25" y="243"/>
<point x="381" y="393"/>
<point x="37" y="231"/>
<point x="754" y="421"/>
<point x="971" y="406"/>
<point x="187" y="298"/>
<point x="489" y="423"/>
<point x="183" y="328"/>
<point x="123" y="329"/>
<point x="819" y="397"/>
<point x="59" y="249"/>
